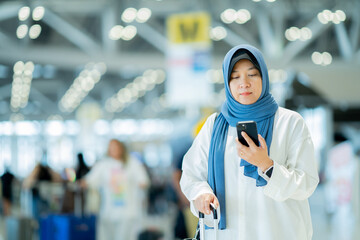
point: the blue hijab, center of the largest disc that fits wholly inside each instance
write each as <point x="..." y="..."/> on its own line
<point x="262" y="112"/>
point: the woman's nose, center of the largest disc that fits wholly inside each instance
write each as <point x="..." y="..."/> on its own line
<point x="244" y="83"/>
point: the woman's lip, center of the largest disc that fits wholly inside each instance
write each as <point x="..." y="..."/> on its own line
<point x="245" y="93"/>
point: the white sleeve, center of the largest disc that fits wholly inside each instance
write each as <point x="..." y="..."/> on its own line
<point x="94" y="177"/>
<point x="142" y="177"/>
<point x="297" y="177"/>
<point x="193" y="180"/>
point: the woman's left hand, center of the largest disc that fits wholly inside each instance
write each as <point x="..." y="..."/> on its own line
<point x="253" y="154"/>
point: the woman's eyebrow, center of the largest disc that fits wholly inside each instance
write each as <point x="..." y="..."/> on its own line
<point x="250" y="68"/>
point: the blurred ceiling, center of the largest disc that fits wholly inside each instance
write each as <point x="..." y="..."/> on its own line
<point x="76" y="32"/>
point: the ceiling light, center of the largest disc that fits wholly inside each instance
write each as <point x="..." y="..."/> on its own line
<point x="327" y="58"/>
<point x="129" y="15"/>
<point x="305" y="33"/>
<point x="101" y="67"/>
<point x="81" y="86"/>
<point x="328" y="16"/>
<point x="38" y="13"/>
<point x="129" y="32"/>
<point x="340" y="15"/>
<point x="116" y="32"/>
<point x="242" y="16"/>
<point x="316" y="57"/>
<point x="218" y="33"/>
<point x="143" y="15"/>
<point x="19" y="67"/>
<point x="21" y="84"/>
<point x="294" y="33"/>
<point x="24" y="13"/>
<point x="277" y="76"/>
<point x="228" y="16"/>
<point x="21" y="31"/>
<point x="135" y="90"/>
<point x="323" y="59"/>
<point x="34" y="31"/>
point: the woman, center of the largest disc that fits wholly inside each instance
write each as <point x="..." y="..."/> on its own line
<point x="121" y="180"/>
<point x="261" y="191"/>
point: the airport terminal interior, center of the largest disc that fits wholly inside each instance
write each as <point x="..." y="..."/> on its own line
<point x="77" y="76"/>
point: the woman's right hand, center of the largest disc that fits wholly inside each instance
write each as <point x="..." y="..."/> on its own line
<point x="202" y="203"/>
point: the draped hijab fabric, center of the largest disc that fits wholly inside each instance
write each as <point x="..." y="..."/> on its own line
<point x="262" y="112"/>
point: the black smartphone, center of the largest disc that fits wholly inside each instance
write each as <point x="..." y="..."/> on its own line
<point x="250" y="128"/>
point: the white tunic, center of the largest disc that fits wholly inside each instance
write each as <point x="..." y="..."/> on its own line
<point x="120" y="187"/>
<point x="277" y="211"/>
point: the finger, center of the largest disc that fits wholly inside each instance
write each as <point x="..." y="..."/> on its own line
<point x="199" y="203"/>
<point x="207" y="206"/>
<point x="248" y="139"/>
<point x="262" y="142"/>
<point x="216" y="202"/>
<point x="240" y="148"/>
<point x="239" y="144"/>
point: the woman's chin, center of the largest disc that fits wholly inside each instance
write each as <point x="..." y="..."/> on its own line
<point x="245" y="101"/>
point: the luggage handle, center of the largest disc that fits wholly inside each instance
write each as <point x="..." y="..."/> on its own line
<point x="201" y="228"/>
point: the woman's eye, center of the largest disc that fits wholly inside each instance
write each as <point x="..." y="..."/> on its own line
<point x="252" y="75"/>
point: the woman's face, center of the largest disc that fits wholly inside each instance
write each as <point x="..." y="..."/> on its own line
<point x="115" y="150"/>
<point x="245" y="82"/>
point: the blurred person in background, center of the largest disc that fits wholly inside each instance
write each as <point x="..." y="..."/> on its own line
<point x="181" y="230"/>
<point x="261" y="191"/>
<point x="7" y="180"/>
<point x="120" y="179"/>
<point x="82" y="169"/>
<point x="186" y="222"/>
<point x="40" y="174"/>
<point x="72" y="189"/>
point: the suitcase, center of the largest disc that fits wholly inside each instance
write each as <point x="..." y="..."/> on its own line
<point x="23" y="226"/>
<point x="20" y="228"/>
<point x="75" y="226"/>
<point x="67" y="227"/>
<point x="200" y="232"/>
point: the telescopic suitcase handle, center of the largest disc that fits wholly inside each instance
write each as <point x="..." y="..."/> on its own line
<point x="202" y="225"/>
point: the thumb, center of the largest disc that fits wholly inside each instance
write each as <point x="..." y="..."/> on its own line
<point x="262" y="142"/>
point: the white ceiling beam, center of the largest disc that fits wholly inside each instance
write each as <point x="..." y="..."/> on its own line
<point x="343" y="41"/>
<point x="292" y="49"/>
<point x="47" y="105"/>
<point x="6" y="41"/>
<point x="232" y="38"/>
<point x="153" y="37"/>
<point x="9" y="10"/>
<point x="279" y="30"/>
<point x="76" y="7"/>
<point x="266" y="34"/>
<point x="5" y="91"/>
<point x="357" y="56"/>
<point x="68" y="30"/>
<point x="108" y="20"/>
<point x="355" y="29"/>
<point x="70" y="58"/>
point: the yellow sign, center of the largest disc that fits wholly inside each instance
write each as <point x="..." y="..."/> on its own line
<point x="188" y="28"/>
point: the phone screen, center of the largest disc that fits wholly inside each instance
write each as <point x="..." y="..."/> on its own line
<point x="250" y="128"/>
